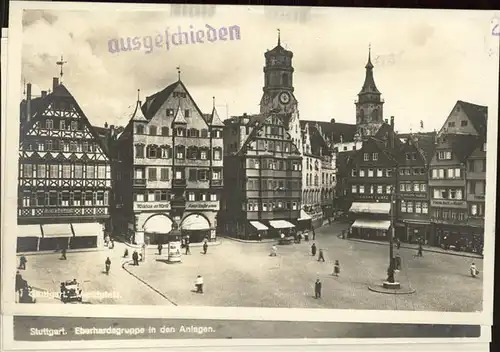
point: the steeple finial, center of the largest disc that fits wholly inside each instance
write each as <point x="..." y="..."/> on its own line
<point x="138" y="95"/>
<point x="369" y="64"/>
<point x="24" y="86"/>
<point x="61" y="63"/>
<point x="279" y="37"/>
<point x="179" y="72"/>
<point x="213" y="101"/>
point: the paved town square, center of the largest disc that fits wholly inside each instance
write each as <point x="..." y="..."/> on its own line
<point x="240" y="274"/>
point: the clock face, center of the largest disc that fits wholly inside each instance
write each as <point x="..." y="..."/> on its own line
<point x="284" y="98"/>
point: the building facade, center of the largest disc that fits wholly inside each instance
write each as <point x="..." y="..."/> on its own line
<point x="262" y="178"/>
<point x="171" y="164"/>
<point x="64" y="175"/>
<point x="318" y="176"/>
<point x="413" y="218"/>
<point x="372" y="181"/>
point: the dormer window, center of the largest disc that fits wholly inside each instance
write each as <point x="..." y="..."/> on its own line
<point x="179" y="132"/>
<point x="170" y="112"/>
<point x="451" y="124"/>
<point x="187" y="113"/>
<point x="464" y="123"/>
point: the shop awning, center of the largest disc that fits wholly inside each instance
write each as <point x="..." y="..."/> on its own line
<point x="87" y="229"/>
<point x="304" y="216"/>
<point x="29" y="231"/>
<point x="372" y="208"/>
<point x="281" y="224"/>
<point x="372" y="224"/>
<point x="158" y="224"/>
<point x="259" y="226"/>
<point x="57" y="230"/>
<point x="195" y="222"/>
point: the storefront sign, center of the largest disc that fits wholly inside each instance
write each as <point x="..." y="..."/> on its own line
<point x="413" y="195"/>
<point x="213" y="205"/>
<point x="448" y="203"/>
<point x="151" y="206"/>
<point x="60" y="211"/>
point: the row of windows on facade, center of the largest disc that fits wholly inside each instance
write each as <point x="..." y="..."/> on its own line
<point x="408" y="207"/>
<point x="371" y="173"/>
<point x="273" y="184"/>
<point x="181" y="152"/>
<point x="164" y="195"/>
<point x="449" y="173"/>
<point x="463" y="123"/>
<point x="268" y="130"/>
<point x="270" y="206"/>
<point x="193" y="174"/>
<point x="66" y="125"/>
<point x="178" y="132"/>
<point x="271" y="146"/>
<point x="474" y="188"/>
<point x="478" y="165"/>
<point x="371" y="189"/>
<point x="412" y="187"/>
<point x="50" y="145"/>
<point x="415" y="171"/>
<point x="77" y="171"/>
<point x="366" y="156"/>
<point x="274" y="164"/>
<point x="65" y="198"/>
<point x="444" y="214"/>
<point x="326" y="180"/>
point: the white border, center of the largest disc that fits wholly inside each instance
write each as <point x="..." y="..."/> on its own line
<point x="387" y="316"/>
<point x="299" y="344"/>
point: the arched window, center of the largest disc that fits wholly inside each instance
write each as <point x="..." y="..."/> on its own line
<point x="217" y="153"/>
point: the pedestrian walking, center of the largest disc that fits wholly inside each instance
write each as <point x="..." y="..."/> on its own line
<point x="336" y="268"/>
<point x="160" y="247"/>
<point x="111" y="244"/>
<point x="317" y="289"/>
<point x="314" y="235"/>
<point x="420" y="249"/>
<point x="398" y="243"/>
<point x="125" y="254"/>
<point x="187" y="248"/>
<point x="22" y="262"/>
<point x="63" y="254"/>
<point x="321" y="257"/>
<point x="205" y="247"/>
<point x="397" y="260"/>
<point x="143" y="252"/>
<point x="199" y="284"/>
<point x="259" y="237"/>
<point x="19" y="284"/>
<point x="274" y="251"/>
<point x="135" y="257"/>
<point x="313" y="249"/>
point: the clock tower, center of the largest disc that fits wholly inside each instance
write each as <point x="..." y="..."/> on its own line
<point x="278" y="81"/>
<point x="369" y="106"/>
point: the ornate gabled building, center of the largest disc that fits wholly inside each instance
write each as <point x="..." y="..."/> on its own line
<point x="171" y="160"/>
<point x="466" y="118"/>
<point x="369" y="106"/>
<point x="262" y="177"/>
<point x="64" y="175"/>
<point x="318" y="175"/>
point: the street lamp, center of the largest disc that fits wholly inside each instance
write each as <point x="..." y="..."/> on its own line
<point x="392" y="234"/>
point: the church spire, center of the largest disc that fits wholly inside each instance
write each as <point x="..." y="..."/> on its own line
<point x="369" y="84"/>
<point x="279" y="37"/>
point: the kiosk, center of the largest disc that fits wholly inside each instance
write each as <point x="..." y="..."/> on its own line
<point x="174" y="246"/>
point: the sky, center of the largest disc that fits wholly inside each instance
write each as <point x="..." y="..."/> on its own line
<point x="439" y="57"/>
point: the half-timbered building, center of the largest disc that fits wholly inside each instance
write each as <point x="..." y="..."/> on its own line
<point x="169" y="169"/>
<point x="262" y="178"/>
<point x="64" y="175"/>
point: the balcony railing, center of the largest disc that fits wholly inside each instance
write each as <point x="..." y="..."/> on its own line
<point x="139" y="182"/>
<point x="179" y="182"/>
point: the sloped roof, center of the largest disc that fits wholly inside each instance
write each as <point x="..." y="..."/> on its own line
<point x="40" y="104"/>
<point x="426" y="143"/>
<point x="334" y="130"/>
<point x="477" y="114"/>
<point x="154" y="102"/>
<point x="461" y="145"/>
<point x="179" y="116"/>
<point x="318" y="143"/>
<point x="214" y="119"/>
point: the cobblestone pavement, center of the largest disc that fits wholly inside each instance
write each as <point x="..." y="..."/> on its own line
<point x="243" y="274"/>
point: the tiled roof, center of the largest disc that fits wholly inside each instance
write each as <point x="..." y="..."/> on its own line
<point x="462" y="145"/>
<point x="154" y="102"/>
<point x="426" y="143"/>
<point x="318" y="143"/>
<point x="477" y="114"/>
<point x="333" y="130"/>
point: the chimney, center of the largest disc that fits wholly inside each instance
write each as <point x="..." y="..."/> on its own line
<point x="332" y="120"/>
<point x="44" y="93"/>
<point x="28" y="102"/>
<point x="55" y="83"/>
<point x="392" y="122"/>
<point x="386" y="121"/>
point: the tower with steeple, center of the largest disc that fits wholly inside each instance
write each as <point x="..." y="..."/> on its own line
<point x="278" y="81"/>
<point x="369" y="106"/>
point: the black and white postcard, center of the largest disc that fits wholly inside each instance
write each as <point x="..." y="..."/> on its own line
<point x="290" y="164"/>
